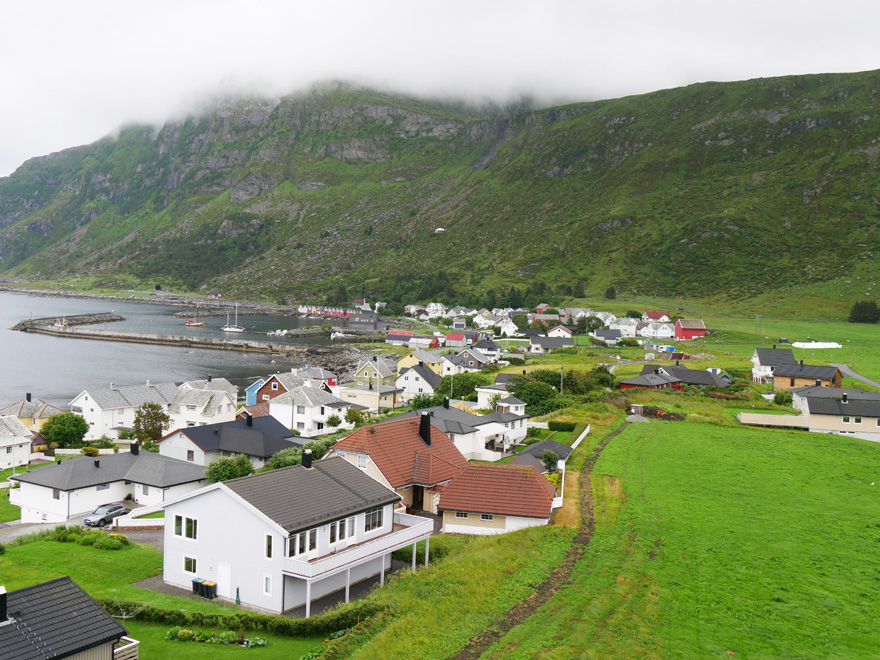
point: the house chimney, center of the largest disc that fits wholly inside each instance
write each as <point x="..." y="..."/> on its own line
<point x="421" y="364"/>
<point x="27" y="398"/>
<point x="446" y="402"/>
<point x="210" y="378"/>
<point x="3" y="616"/>
<point x="148" y="383"/>
<point x="249" y="419"/>
<point x="97" y="463"/>
<point x="135" y="448"/>
<point x="375" y="359"/>
<point x="818" y="383"/>
<point x="307" y="459"/>
<point x="844" y="398"/>
<point x="425" y="428"/>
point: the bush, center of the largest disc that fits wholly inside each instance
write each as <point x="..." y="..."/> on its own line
<point x="90" y="451"/>
<point x="107" y="543"/>
<point x="333" y="421"/>
<point x="185" y="635"/>
<point x="88" y="539"/>
<point x="2" y="549"/>
<point x="560" y="426"/>
<point x="782" y="398"/>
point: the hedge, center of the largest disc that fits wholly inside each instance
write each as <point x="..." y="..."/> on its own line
<point x="344" y="616"/>
<point x="561" y="426"/>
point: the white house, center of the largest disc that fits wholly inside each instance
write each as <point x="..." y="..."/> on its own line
<point x="307" y="410"/>
<point x="489" y="498"/>
<point x="765" y="361"/>
<point x="417" y="380"/>
<point x="15" y="442"/>
<point x="110" y="410"/>
<point x="280" y="539"/>
<point x="435" y="310"/>
<point x="78" y="485"/>
<point x="508" y="328"/>
<point x="657" y="331"/>
<point x="655" y="317"/>
<point x="627" y="326"/>
<point x="258" y="438"/>
<point x="559" y="331"/>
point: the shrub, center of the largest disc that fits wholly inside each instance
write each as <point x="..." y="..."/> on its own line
<point x="782" y="398"/>
<point x="107" y="543"/>
<point x="185" y="635"/>
<point x="90" y="451"/>
<point x="560" y="426"/>
<point x="172" y="633"/>
<point x="333" y="421"/>
<point x="88" y="539"/>
<point x="2" y="548"/>
<point x="72" y="538"/>
<point x="122" y="538"/>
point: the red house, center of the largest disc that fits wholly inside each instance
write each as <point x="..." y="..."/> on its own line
<point x="689" y="329"/>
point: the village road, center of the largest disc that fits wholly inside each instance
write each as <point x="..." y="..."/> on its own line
<point x="849" y="373"/>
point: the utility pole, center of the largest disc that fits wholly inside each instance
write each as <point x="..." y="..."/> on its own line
<point x="561" y="376"/>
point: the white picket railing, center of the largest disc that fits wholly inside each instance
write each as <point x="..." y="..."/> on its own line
<point x="127" y="652"/>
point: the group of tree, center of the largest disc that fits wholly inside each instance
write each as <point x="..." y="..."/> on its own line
<point x="864" y="311"/>
<point x="65" y="430"/>
<point x="540" y="389"/>
<point x="150" y="423"/>
<point x="459" y="386"/>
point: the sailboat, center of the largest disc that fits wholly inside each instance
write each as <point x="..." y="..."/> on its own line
<point x="235" y="327"/>
<point x="197" y="322"/>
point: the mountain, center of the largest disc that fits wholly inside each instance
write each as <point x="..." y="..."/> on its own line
<point x="716" y="188"/>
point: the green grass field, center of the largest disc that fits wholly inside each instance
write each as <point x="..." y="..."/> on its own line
<point x="719" y="542"/>
<point x="8" y="512"/>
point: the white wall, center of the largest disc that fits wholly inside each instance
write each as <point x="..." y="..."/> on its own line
<point x="38" y="505"/>
<point x="13" y="455"/>
<point x="513" y="523"/>
<point x="177" y="445"/>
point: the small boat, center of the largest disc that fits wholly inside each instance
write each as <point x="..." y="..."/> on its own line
<point x="235" y="327"/>
<point x="61" y="323"/>
<point x="196" y="322"/>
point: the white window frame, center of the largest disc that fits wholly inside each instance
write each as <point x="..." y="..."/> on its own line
<point x="274" y="386"/>
<point x="846" y="419"/>
<point x="362" y="461"/>
<point x="195" y="565"/>
<point x="268" y="547"/>
<point x="374" y="519"/>
<point x="308" y="539"/>
<point x="487" y="517"/>
<point x="183" y="528"/>
<point x="267" y="584"/>
<point x="857" y="420"/>
<point x="462" y="515"/>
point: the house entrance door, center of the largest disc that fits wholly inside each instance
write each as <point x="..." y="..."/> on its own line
<point x="418" y="500"/>
<point x="224" y="580"/>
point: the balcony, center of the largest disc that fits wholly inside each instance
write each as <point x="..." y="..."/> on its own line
<point x="407" y="530"/>
<point x="128" y="649"/>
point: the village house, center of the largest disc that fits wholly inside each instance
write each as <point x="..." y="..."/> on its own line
<point x="790" y="376"/>
<point x="32" y="413"/>
<point x="425" y="342"/>
<point x="276" y="385"/>
<point x="258" y="438"/>
<point x="435" y="310"/>
<point x="559" y="331"/>
<point x="657" y="330"/>
<point x="765" y="361"/>
<point x="456" y="340"/>
<point x="15" y="442"/>
<point x="489" y="348"/>
<point x="417" y="380"/>
<point x="685" y="376"/>
<point x="399" y="337"/>
<point x="373" y="372"/>
<point x="627" y="327"/>
<point x="657" y="380"/>
<point x="407" y="454"/>
<point x="278" y="540"/>
<point x="431" y="359"/>
<point x="686" y="329"/>
<point x="655" y="317"/>
<point x="474" y="358"/>
<point x="309" y="409"/>
<point x="545" y="345"/>
<point x="78" y="485"/>
<point x="610" y="337"/>
<point x="373" y="398"/>
<point x="491" y="498"/>
<point x="57" y="619"/>
<point x="451" y="365"/>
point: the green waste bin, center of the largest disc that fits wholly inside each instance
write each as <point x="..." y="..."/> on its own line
<point x="197" y="586"/>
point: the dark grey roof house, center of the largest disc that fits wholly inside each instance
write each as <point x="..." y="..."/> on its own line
<point x="56" y="619"/>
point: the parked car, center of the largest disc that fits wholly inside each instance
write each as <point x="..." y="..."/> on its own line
<point x="105" y="513"/>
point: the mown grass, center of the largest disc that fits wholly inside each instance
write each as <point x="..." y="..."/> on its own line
<point x="437" y="610"/>
<point x="718" y="542"/>
<point x="154" y="646"/>
<point x="8" y="512"/>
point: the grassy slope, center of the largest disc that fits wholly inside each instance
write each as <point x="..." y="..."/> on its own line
<point x="714" y="539"/>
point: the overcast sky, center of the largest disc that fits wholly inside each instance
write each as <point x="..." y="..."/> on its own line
<point x="72" y="72"/>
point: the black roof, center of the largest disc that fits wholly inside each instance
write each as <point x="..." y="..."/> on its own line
<point x="798" y="370"/>
<point x="773" y="357"/>
<point x="54" y="619"/>
<point x="687" y="376"/>
<point x="427" y="374"/>
<point x="857" y="407"/>
<point x="296" y="498"/>
<point x="552" y="342"/>
<point x="607" y="333"/>
<point x="813" y="391"/>
<point x="537" y="450"/>
<point x="266" y="437"/>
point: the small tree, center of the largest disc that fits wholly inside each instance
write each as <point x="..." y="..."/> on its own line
<point x="228" y="467"/>
<point x="421" y="401"/>
<point x="865" y="311"/>
<point x="782" y="398"/>
<point x="333" y="421"/>
<point x="150" y="422"/>
<point x="354" y="416"/>
<point x="285" y="458"/>
<point x="65" y="429"/>
<point x="550" y="458"/>
<point x="610" y="293"/>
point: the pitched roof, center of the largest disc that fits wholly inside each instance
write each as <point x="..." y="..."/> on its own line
<point x="455" y="336"/>
<point x="814" y="391"/>
<point x="692" y="324"/>
<point x="772" y="357"/>
<point x="260" y="409"/>
<point x="55" y="619"/>
<point x="379" y="365"/>
<point x="798" y="370"/>
<point x="687" y="376"/>
<point x="297" y="498"/>
<point x="506" y="490"/>
<point x="266" y="436"/>
<point x="856" y="407"/>
<point x="487" y="345"/>
<point x="607" y="333"/>
<point x="538" y="449"/>
<point x="654" y="315"/>
<point x="650" y="380"/>
<point x="213" y="384"/>
<point x="34" y="408"/>
<point x="402" y="456"/>
<point x="431" y="377"/>
<point x="432" y="357"/>
<point x="210" y="400"/>
<point x="288" y="380"/>
<point x="528" y="459"/>
<point x="446" y="418"/>
<point x="14" y="429"/>
<point x="308" y="397"/>
<point x="552" y="342"/>
<point x="132" y="396"/>
<point x="512" y="401"/>
<point x="144" y="468"/>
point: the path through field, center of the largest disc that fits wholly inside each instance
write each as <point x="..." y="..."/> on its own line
<point x="559" y="577"/>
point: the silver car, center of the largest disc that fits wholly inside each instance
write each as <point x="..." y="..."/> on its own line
<point x="105" y="513"/>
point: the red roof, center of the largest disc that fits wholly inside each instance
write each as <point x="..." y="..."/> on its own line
<point x="504" y="490"/>
<point x="257" y="410"/>
<point x="655" y="315"/>
<point x="455" y="336"/>
<point x="402" y="456"/>
<point x="400" y="333"/>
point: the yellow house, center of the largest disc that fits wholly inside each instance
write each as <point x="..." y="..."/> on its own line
<point x="374" y="398"/>
<point x="32" y="413"/>
<point x="432" y="360"/>
<point x="374" y="372"/>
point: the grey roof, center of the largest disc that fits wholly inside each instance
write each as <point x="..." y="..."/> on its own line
<point x="431" y="377"/>
<point x="143" y="468"/>
<point x="288" y="380"/>
<point x="266" y="436"/>
<point x="505" y="378"/>
<point x="426" y="356"/>
<point x="501" y="388"/>
<point x="857" y="407"/>
<point x="34" y="408"/>
<point x="476" y="353"/>
<point x="692" y="324"/>
<point x="687" y="376"/>
<point x="538" y="449"/>
<point x="650" y="380"/>
<point x="319" y="373"/>
<point x="798" y="370"/>
<point x="605" y="333"/>
<point x="132" y="396"/>
<point x="452" y="420"/>
<point x="512" y="401"/>
<point x="209" y="400"/>
<point x="375" y="389"/>
<point x="12" y="428"/>
<point x="487" y="345"/>
<point x="527" y="459"/>
<point x="813" y="391"/>
<point x="309" y="397"/>
<point x="454" y="359"/>
<point x="772" y="357"/>
<point x="296" y="498"/>
<point x="379" y="365"/>
<point x="54" y="619"/>
<point x="548" y="343"/>
<point x="214" y="384"/>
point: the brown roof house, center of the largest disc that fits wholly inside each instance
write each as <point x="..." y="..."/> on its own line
<point x="493" y="498"/>
<point x="409" y="455"/>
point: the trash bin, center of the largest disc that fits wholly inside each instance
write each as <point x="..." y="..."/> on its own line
<point x="210" y="590"/>
<point x="197" y="585"/>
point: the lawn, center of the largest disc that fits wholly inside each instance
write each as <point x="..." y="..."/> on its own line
<point x="154" y="646"/>
<point x="719" y="542"/>
<point x="8" y="512"/>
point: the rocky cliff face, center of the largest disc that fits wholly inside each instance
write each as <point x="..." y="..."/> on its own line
<point x="682" y="191"/>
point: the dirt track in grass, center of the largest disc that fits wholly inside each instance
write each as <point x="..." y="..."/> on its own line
<point x="561" y="576"/>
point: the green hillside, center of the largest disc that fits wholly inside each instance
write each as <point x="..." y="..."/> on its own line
<point x="732" y="190"/>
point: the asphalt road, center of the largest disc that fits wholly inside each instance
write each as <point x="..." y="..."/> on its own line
<point x="849" y="373"/>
